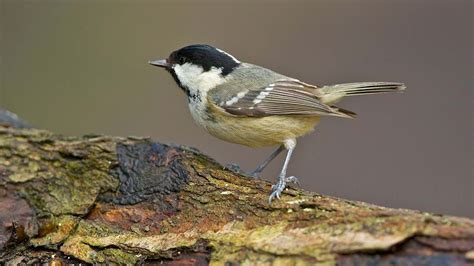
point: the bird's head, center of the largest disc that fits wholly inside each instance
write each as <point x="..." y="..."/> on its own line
<point x="198" y="66"/>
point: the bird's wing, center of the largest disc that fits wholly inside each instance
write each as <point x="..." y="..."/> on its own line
<point x="282" y="97"/>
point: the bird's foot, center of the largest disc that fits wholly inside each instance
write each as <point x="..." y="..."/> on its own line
<point x="234" y="168"/>
<point x="278" y="188"/>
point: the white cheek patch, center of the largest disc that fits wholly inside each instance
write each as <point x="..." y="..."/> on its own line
<point x="187" y="73"/>
<point x="196" y="79"/>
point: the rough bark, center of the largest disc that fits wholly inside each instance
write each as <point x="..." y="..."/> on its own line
<point x="100" y="199"/>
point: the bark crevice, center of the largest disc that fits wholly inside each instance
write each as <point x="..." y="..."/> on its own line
<point x="101" y="199"/>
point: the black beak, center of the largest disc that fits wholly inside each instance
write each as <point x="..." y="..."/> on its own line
<point x="160" y="63"/>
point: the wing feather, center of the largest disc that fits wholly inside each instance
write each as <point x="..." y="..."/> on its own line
<point x="283" y="97"/>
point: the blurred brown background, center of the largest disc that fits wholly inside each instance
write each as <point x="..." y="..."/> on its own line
<point x="78" y="67"/>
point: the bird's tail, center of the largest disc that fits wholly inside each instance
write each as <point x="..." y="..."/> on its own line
<point x="333" y="93"/>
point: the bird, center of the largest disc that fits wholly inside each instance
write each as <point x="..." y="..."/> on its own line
<point x="247" y="104"/>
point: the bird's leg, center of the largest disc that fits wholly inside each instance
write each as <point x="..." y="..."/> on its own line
<point x="278" y="188"/>
<point x="256" y="173"/>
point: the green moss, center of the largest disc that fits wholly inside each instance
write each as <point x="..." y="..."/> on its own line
<point x="56" y="183"/>
<point x="61" y="179"/>
<point x="113" y="255"/>
<point x="63" y="227"/>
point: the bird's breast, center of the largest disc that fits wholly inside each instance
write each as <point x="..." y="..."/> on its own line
<point x="199" y="110"/>
<point x="251" y="131"/>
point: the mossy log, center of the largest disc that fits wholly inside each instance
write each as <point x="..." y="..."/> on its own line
<point x="100" y="199"/>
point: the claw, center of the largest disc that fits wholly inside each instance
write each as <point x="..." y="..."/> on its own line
<point x="273" y="195"/>
<point x="277" y="189"/>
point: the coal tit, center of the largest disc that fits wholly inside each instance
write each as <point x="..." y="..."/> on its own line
<point x="250" y="105"/>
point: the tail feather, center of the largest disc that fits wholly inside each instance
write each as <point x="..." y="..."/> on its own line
<point x="333" y="93"/>
<point x="343" y="112"/>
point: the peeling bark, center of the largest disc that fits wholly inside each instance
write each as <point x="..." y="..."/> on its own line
<point x="100" y="199"/>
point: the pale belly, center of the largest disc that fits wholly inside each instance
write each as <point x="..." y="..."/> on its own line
<point x="255" y="132"/>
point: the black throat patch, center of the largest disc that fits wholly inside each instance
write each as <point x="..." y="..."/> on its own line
<point x="176" y="79"/>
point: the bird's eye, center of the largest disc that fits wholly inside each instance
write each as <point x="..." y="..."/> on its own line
<point x="182" y="60"/>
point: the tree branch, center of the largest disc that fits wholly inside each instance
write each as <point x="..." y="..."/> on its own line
<point x="101" y="199"/>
